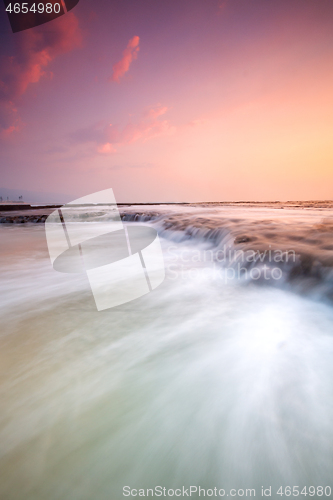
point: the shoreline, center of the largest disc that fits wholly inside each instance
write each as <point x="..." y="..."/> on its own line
<point x="14" y="213"/>
<point x="254" y="233"/>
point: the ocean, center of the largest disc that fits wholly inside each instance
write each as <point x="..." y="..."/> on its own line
<point x="221" y="378"/>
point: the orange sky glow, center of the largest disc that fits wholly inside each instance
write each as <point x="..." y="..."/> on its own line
<point x="180" y="101"/>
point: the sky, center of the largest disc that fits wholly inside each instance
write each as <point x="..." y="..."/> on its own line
<point x="171" y="100"/>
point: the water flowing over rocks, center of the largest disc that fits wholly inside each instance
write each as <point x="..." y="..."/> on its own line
<point x="241" y="236"/>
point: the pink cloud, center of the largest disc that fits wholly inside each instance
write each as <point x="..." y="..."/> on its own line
<point x="108" y="139"/>
<point x="222" y="6"/>
<point x="106" y="148"/>
<point x="129" y="54"/>
<point x="147" y="128"/>
<point x="155" y="112"/>
<point x="38" y="47"/>
<point x="9" y="119"/>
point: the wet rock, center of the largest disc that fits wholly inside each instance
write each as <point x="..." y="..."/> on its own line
<point x="242" y="239"/>
<point x="303" y="268"/>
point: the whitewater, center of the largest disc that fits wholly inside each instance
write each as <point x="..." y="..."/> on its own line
<point x="218" y="378"/>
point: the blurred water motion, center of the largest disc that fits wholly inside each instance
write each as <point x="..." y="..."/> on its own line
<point x="197" y="383"/>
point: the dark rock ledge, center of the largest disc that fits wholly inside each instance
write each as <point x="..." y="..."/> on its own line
<point x="22" y="219"/>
